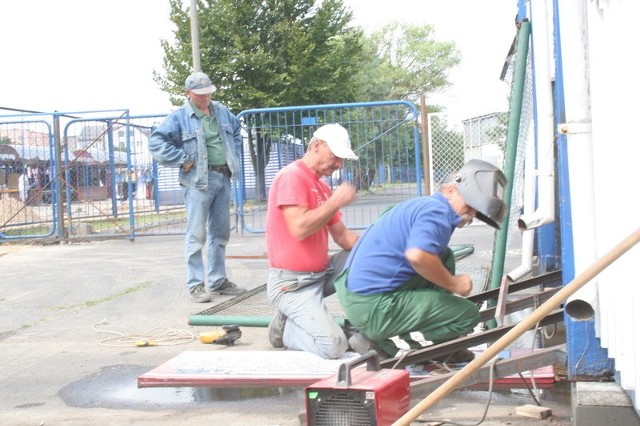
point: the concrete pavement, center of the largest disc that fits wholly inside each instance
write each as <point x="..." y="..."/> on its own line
<point x="56" y="371"/>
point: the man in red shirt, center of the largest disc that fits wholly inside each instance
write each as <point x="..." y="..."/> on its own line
<point x="302" y="212"/>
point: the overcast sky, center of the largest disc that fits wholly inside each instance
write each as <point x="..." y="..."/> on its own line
<point x="79" y="55"/>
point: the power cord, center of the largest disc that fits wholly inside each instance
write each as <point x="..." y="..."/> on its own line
<point x="533" y="389"/>
<point x="153" y="337"/>
<point x="486" y="407"/>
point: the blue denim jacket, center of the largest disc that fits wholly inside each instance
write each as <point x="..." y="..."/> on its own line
<point x="180" y="138"/>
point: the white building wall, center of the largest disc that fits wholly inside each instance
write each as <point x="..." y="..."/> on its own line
<point x="615" y="91"/>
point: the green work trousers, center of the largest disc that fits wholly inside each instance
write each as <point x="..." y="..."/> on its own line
<point x="413" y="316"/>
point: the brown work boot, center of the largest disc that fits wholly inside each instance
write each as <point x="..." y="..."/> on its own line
<point x="227" y="288"/>
<point x="199" y="295"/>
<point x="362" y="344"/>
<point x="276" y="329"/>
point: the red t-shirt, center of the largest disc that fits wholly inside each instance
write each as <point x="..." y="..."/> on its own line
<point x="297" y="185"/>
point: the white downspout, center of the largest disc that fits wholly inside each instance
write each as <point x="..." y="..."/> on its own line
<point x="574" y="37"/>
<point x="545" y="212"/>
<point x="528" y="205"/>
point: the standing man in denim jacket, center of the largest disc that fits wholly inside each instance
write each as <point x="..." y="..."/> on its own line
<point x="203" y="139"/>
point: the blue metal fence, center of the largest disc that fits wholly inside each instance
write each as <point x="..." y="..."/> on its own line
<point x="384" y="135"/>
<point x="90" y="174"/>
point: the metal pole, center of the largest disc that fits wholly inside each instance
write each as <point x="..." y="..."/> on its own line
<point x="515" y="112"/>
<point x="59" y="177"/>
<point x="195" y="37"/>
<point x="426" y="155"/>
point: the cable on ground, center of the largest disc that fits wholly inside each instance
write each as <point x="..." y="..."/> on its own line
<point x="486" y="407"/>
<point x="153" y="337"/>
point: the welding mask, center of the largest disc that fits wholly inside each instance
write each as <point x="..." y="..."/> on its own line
<point x="481" y="184"/>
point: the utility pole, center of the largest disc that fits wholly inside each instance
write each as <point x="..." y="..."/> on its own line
<point x="195" y="37"/>
<point x="426" y="154"/>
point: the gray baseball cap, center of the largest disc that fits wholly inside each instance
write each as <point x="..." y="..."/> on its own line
<point x="199" y="83"/>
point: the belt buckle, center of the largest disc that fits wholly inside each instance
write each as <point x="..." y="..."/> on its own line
<point x="224" y="169"/>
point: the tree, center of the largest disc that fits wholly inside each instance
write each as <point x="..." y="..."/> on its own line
<point x="498" y="133"/>
<point x="406" y="61"/>
<point x="271" y="53"/>
<point x="267" y="53"/>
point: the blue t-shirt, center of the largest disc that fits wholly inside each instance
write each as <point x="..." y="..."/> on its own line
<point x="377" y="262"/>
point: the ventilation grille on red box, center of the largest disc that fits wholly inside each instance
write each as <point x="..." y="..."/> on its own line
<point x="373" y="397"/>
<point x="333" y="408"/>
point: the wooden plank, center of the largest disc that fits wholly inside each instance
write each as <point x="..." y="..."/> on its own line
<point x="223" y="368"/>
<point x="533" y="411"/>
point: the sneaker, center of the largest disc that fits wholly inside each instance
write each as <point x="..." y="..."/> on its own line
<point x="362" y="344"/>
<point x="227" y="288"/>
<point x="276" y="329"/>
<point x="459" y="357"/>
<point x="199" y="295"/>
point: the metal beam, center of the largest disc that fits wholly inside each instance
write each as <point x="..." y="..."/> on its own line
<point x="531" y="301"/>
<point x="503" y="368"/>
<point x="446" y="348"/>
<point x="551" y="279"/>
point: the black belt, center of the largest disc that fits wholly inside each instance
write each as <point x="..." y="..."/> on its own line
<point x="224" y="169"/>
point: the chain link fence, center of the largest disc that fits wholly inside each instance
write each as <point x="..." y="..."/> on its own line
<point x="87" y="175"/>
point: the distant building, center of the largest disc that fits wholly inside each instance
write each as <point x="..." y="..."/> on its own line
<point x="485" y="138"/>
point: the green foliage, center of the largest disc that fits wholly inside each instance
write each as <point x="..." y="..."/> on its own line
<point x="4" y="140"/>
<point x="267" y="53"/>
<point x="273" y="53"/>
<point x="406" y="61"/>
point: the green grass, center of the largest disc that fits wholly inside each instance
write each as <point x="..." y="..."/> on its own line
<point x="102" y="225"/>
<point x="104" y="299"/>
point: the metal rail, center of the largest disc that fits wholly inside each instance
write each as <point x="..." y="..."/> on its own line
<point x="503" y="368"/>
<point x="446" y="348"/>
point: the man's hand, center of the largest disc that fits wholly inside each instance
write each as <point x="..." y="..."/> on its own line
<point x="430" y="267"/>
<point x="187" y="166"/>
<point x="463" y="285"/>
<point x="303" y="221"/>
<point x="344" y="194"/>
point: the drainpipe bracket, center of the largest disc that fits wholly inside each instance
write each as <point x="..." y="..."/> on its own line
<point x="574" y="127"/>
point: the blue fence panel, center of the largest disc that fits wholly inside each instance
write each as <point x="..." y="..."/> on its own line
<point x="98" y="179"/>
<point x="27" y="178"/>
<point x="384" y="135"/>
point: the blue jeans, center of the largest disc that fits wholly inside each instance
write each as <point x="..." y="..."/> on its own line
<point x="300" y="297"/>
<point x="207" y="221"/>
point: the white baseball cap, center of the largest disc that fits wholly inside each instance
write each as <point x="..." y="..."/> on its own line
<point x="337" y="138"/>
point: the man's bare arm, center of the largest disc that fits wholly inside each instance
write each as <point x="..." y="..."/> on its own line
<point x="303" y="221"/>
<point x="429" y="266"/>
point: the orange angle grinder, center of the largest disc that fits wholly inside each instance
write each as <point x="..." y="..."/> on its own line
<point x="227" y="336"/>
